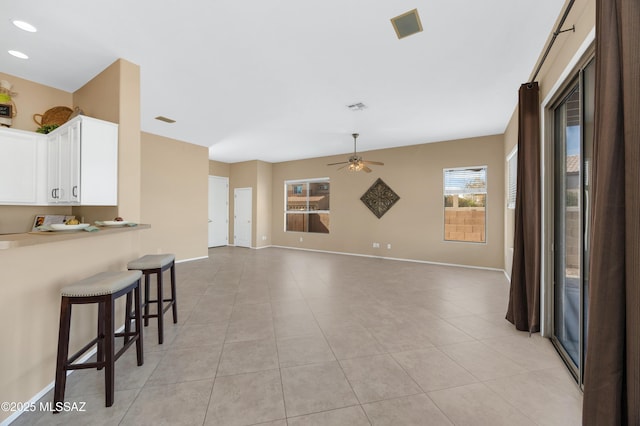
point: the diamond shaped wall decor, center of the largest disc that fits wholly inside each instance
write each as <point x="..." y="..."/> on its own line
<point x="379" y="198"/>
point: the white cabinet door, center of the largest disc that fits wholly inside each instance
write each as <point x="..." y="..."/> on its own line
<point x="83" y="163"/>
<point x="98" y="163"/>
<point x="53" y="168"/>
<point x="19" y="166"/>
<point x="64" y="165"/>
<point x="73" y="144"/>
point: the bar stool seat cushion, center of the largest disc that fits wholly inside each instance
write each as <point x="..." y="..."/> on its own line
<point x="151" y="261"/>
<point x="101" y="284"/>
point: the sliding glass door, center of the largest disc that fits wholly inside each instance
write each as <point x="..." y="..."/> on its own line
<point x="573" y="146"/>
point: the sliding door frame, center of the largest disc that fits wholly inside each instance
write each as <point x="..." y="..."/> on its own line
<point x="581" y="59"/>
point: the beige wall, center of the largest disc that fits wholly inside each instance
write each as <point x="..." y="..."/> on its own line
<point x="257" y="176"/>
<point x="114" y="95"/>
<point x="31" y="295"/>
<point x="414" y="226"/>
<point x="174" y="197"/>
<point x="218" y="168"/>
<point x="32" y="98"/>
<point x="19" y="219"/>
<point x="582" y="15"/>
<point x="31" y="280"/>
<point x="264" y="200"/>
<point x="179" y="225"/>
<point x="243" y="175"/>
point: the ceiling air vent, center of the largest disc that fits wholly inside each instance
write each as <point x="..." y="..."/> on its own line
<point x="407" y="24"/>
<point x="357" y="106"/>
<point x="165" y="119"/>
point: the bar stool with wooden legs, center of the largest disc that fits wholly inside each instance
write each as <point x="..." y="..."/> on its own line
<point x="103" y="289"/>
<point x="157" y="264"/>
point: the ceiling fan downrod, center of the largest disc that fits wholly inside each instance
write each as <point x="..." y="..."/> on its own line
<point x="355" y="136"/>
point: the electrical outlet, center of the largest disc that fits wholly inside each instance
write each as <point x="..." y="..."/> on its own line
<point x="264" y="238"/>
<point x="301" y="239"/>
<point x="376" y="245"/>
<point x="388" y="246"/>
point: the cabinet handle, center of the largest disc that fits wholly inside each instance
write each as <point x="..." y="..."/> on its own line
<point x="53" y="193"/>
<point x="74" y="191"/>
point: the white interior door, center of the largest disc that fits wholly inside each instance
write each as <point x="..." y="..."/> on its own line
<point x="242" y="208"/>
<point x="218" y="211"/>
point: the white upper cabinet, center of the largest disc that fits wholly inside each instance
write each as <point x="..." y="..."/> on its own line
<point x="83" y="163"/>
<point x="23" y="165"/>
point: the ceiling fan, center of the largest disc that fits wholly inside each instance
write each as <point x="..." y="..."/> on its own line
<point x="355" y="163"/>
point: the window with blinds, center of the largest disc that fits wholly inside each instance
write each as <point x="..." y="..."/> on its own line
<point x="465" y="197"/>
<point x="512" y="167"/>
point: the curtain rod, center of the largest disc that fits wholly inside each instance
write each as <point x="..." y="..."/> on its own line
<point x="558" y="31"/>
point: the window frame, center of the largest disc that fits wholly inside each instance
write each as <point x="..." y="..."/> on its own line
<point x="305" y="185"/>
<point x="486" y="195"/>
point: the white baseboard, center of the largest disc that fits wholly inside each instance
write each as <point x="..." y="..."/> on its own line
<point x="192" y="259"/>
<point x="263" y="247"/>
<point x="486" y="268"/>
<point x="253" y="248"/>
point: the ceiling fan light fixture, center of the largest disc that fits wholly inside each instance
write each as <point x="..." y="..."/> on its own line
<point x="355" y="167"/>
<point x="355" y="163"/>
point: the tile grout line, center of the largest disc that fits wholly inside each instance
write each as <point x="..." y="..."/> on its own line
<point x="336" y="359"/>
<point x="215" y="376"/>
<point x="275" y="338"/>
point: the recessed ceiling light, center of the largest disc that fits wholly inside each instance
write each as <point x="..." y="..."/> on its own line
<point x="18" y="54"/>
<point x="165" y="119"/>
<point x="24" y="26"/>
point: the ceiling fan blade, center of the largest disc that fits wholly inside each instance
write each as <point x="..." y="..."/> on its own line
<point x="340" y="168"/>
<point x="377" y="163"/>
<point x="366" y="169"/>
<point x="335" y="164"/>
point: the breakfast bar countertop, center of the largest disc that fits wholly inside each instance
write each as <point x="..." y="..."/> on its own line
<point x="33" y="238"/>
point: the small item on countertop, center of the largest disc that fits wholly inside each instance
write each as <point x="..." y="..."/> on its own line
<point x="118" y="219"/>
<point x="73" y="222"/>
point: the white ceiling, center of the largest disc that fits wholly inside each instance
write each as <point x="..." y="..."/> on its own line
<point x="271" y="79"/>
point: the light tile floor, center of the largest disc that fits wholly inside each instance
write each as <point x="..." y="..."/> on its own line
<point x="287" y="337"/>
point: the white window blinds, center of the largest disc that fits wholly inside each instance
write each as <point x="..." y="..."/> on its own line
<point x="512" y="165"/>
<point x="465" y="181"/>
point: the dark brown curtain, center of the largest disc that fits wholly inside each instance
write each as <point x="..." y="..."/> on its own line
<point x="524" y="295"/>
<point x="612" y="365"/>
